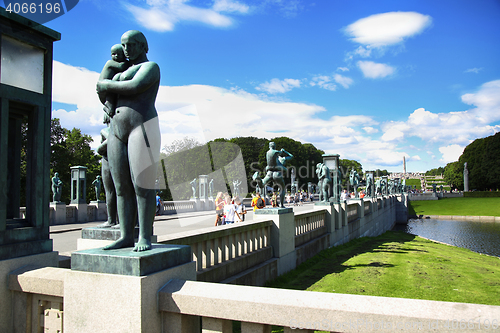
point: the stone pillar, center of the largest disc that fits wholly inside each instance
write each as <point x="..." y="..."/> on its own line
<point x="203" y="186"/>
<point x="100" y="209"/>
<point x="59" y="216"/>
<point x="25" y="111"/>
<point x="282" y="236"/>
<point x="332" y="162"/>
<point x="466" y="178"/>
<point x="79" y="192"/>
<point x="116" y="290"/>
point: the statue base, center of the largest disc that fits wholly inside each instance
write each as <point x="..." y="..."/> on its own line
<point x="127" y="262"/>
<point x="99" y="237"/>
<point x="100" y="210"/>
<point x="95" y="301"/>
<point x="58" y="216"/>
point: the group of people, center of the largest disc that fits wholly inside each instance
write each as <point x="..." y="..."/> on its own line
<point x="229" y="210"/>
<point x="299" y="198"/>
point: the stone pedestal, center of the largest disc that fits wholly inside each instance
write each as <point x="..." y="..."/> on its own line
<point x="283" y="230"/>
<point x="100" y="209"/>
<point x="116" y="290"/>
<point x="99" y="237"/>
<point x="59" y="215"/>
<point x="196" y="204"/>
<point x="10" y="265"/>
<point x="81" y="212"/>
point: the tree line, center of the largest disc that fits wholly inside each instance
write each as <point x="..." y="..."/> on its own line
<point x="226" y="160"/>
<point x="483" y="163"/>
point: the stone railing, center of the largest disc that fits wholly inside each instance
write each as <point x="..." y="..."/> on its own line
<point x="38" y="295"/>
<point x="247" y="254"/>
<point x="352" y="212"/>
<point x="217" y="250"/>
<point x="367" y="207"/>
<point x="173" y="207"/>
<point x="309" y="226"/>
<point x="182" y="303"/>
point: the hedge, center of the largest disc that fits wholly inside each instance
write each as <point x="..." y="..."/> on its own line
<point x="482" y="194"/>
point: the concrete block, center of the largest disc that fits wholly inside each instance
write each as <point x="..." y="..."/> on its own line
<point x="10" y="265"/>
<point x="100" y="209"/>
<point x="97" y="302"/>
<point x="59" y="215"/>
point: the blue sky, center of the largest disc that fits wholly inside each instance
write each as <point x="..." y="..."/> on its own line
<point x="370" y="80"/>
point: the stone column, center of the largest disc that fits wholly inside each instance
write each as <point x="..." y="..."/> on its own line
<point x="116" y="290"/>
<point x="59" y="216"/>
<point x="282" y="236"/>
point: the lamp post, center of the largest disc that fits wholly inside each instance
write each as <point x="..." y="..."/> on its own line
<point x="332" y="162"/>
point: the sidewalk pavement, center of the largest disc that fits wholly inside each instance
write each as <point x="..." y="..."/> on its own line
<point x="60" y="228"/>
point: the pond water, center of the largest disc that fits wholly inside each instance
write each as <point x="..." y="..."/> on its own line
<point x="481" y="237"/>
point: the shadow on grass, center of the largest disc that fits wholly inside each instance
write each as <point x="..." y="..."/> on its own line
<point x="333" y="260"/>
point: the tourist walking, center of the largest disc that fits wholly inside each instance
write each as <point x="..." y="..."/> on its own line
<point x="219" y="209"/>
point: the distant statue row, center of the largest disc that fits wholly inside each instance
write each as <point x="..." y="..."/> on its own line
<point x="57" y="187"/>
<point x="194" y="186"/>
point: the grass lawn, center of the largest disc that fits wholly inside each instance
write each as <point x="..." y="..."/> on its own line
<point x="397" y="264"/>
<point x="456" y="206"/>
<point x="414" y="182"/>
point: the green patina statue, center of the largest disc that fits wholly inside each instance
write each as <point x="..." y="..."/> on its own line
<point x="133" y="144"/>
<point x="274" y="170"/>
<point x="107" y="180"/>
<point x="354" y="181"/>
<point x="56" y="188"/>
<point x="324" y="181"/>
<point x="97" y="186"/>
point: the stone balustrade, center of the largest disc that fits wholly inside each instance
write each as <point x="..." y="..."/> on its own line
<point x="240" y="256"/>
<point x="174" y="207"/>
<point x="183" y="302"/>
<point x="309" y="226"/>
<point x="222" y="252"/>
<point x="352" y="212"/>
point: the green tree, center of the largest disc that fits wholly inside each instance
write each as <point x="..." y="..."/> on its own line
<point x="345" y="168"/>
<point x="453" y="175"/>
<point x="72" y="148"/>
<point x="435" y="172"/>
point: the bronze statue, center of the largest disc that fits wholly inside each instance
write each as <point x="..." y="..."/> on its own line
<point x="56" y="188"/>
<point x="274" y="170"/>
<point x="134" y="141"/>
<point x="324" y="181"/>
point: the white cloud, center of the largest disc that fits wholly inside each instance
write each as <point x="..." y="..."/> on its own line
<point x="326" y="82"/>
<point x="415" y="158"/>
<point x="163" y="15"/>
<point x="279" y="86"/>
<point x="230" y="6"/>
<point x="344" y="81"/>
<point x="370" y="130"/>
<point x="457" y="128"/>
<point x="363" y="52"/>
<point x="388" y="28"/>
<point x="375" y="70"/>
<point x="451" y="153"/>
<point x="343" y="69"/>
<point x="473" y="70"/>
<point x="323" y="81"/>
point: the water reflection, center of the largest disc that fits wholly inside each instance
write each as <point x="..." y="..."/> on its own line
<point x="482" y="237"/>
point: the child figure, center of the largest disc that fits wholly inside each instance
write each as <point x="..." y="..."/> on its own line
<point x="117" y="64"/>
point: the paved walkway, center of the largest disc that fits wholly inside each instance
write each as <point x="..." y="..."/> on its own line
<point x="65" y="236"/>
